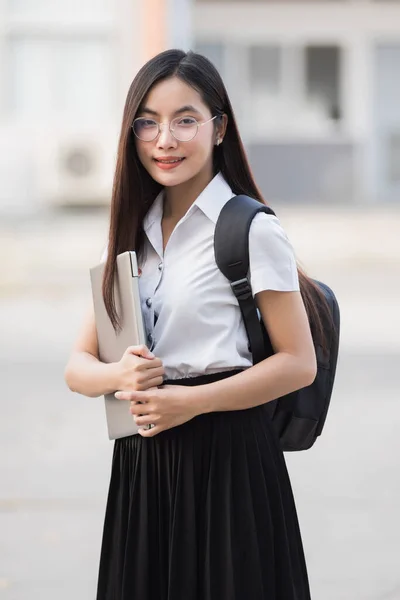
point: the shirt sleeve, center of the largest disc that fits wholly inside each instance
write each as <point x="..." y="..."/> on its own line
<point x="272" y="260"/>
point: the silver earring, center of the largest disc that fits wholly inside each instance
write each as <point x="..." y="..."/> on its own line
<point x="218" y="142"/>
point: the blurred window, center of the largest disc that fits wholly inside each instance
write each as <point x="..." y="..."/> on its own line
<point x="64" y="78"/>
<point x="265" y="87"/>
<point x="293" y="91"/>
<point x="265" y="69"/>
<point x="323" y="80"/>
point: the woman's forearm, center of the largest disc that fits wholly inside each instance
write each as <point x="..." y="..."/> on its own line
<point x="274" y="377"/>
<point x="86" y="375"/>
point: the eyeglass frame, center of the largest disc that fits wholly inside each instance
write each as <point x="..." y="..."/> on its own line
<point x="198" y="125"/>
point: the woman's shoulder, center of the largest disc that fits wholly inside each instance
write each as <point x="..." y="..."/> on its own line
<point x="267" y="230"/>
<point x="272" y="258"/>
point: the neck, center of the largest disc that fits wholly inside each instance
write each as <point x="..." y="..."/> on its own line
<point x="179" y="199"/>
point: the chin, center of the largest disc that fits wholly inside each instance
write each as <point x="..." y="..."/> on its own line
<point x="169" y="178"/>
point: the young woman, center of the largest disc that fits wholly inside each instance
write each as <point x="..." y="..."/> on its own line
<point x="200" y="505"/>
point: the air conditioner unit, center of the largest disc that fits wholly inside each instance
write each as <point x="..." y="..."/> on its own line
<point x="77" y="169"/>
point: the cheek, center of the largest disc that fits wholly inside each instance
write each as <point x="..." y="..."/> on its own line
<point x="203" y="149"/>
<point x="143" y="153"/>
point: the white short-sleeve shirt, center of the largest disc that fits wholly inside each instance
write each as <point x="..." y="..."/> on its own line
<point x="192" y="318"/>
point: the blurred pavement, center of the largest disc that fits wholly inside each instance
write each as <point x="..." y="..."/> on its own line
<point x="55" y="458"/>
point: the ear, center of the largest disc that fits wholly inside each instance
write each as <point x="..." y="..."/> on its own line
<point x="220" y="129"/>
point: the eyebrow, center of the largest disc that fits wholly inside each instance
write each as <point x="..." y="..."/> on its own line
<point x="183" y="109"/>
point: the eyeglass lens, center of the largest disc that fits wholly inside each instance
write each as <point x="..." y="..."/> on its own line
<point x="183" y="129"/>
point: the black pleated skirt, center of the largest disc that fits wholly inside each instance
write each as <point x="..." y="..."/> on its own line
<point x="203" y="511"/>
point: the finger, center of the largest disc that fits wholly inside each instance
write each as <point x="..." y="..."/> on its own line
<point x="140" y="408"/>
<point x="155" y="371"/>
<point x="132" y="396"/>
<point x="148" y="384"/>
<point x="155" y="363"/>
<point x="144" y="376"/>
<point x="142" y="420"/>
<point x="144" y="366"/>
<point x="141" y="350"/>
<point x="124" y="395"/>
<point x="150" y="432"/>
<point x="155" y="383"/>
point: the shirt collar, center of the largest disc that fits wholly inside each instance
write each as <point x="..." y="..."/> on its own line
<point x="155" y="213"/>
<point x="211" y="201"/>
<point x="214" y="197"/>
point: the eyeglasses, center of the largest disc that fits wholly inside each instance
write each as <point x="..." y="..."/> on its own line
<point x="184" y="129"/>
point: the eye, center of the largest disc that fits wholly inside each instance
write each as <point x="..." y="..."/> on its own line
<point x="146" y="123"/>
<point x="185" y="122"/>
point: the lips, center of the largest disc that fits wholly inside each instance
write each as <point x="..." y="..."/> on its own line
<point x="167" y="163"/>
<point x="169" y="160"/>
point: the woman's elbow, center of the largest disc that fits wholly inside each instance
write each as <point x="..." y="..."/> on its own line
<point x="309" y="370"/>
<point x="69" y="378"/>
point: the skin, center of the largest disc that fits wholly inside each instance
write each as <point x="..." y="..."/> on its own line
<point x="139" y="375"/>
<point x="185" y="183"/>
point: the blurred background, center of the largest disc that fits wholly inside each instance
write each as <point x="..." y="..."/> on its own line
<point x="316" y="89"/>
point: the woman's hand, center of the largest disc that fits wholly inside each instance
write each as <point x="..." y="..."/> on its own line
<point x="138" y="370"/>
<point x="165" y="407"/>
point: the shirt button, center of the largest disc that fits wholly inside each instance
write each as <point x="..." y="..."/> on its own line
<point x="149" y="302"/>
<point x="160" y="266"/>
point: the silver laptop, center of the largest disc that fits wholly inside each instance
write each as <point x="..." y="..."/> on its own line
<point x="112" y="345"/>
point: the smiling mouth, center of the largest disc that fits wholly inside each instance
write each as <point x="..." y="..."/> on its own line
<point x="169" y="161"/>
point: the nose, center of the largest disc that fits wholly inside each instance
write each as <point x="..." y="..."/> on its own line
<point x="166" y="139"/>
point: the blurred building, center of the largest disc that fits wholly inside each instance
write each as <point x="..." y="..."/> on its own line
<point x="65" y="68"/>
<point x="315" y="86"/>
<point x="60" y="89"/>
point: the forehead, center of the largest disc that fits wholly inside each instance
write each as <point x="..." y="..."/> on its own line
<point x="168" y="96"/>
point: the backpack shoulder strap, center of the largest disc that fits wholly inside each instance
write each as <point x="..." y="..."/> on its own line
<point x="231" y="247"/>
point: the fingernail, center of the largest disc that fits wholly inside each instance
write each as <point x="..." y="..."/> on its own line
<point x="118" y="395"/>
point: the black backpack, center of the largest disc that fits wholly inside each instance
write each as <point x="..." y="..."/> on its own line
<point x="300" y="416"/>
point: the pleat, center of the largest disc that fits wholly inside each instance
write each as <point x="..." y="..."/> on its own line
<point x="203" y="511"/>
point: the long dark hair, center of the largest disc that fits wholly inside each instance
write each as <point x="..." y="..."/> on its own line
<point x="134" y="190"/>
